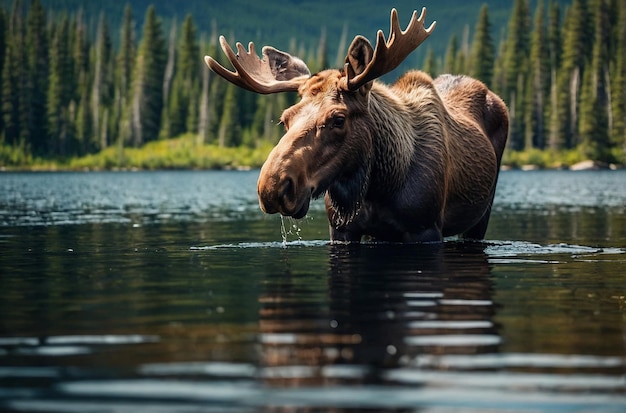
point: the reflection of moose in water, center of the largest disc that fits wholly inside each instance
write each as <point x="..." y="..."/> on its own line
<point x="414" y="161"/>
<point x="388" y="307"/>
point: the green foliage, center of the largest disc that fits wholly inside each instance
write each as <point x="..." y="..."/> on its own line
<point x="68" y="89"/>
<point x="15" y="156"/>
<point x="147" y="100"/>
<point x="483" y="54"/>
<point x="515" y="66"/>
<point x="179" y="153"/>
<point x="542" y="158"/>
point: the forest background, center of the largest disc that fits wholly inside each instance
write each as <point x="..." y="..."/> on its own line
<point x="107" y="85"/>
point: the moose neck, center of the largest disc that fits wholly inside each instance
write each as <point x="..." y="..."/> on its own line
<point x="406" y="124"/>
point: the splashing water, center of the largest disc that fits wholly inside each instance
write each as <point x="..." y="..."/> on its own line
<point x="290" y="228"/>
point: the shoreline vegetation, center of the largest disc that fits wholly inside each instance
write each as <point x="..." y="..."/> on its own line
<point x="185" y="153"/>
<point x="72" y="98"/>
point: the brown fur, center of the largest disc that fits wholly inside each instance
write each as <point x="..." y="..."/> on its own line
<point x="414" y="161"/>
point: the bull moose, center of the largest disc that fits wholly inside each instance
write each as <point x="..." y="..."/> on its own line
<point x="415" y="161"/>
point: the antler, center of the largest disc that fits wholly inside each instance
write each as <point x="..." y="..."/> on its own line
<point x="388" y="54"/>
<point x="276" y="72"/>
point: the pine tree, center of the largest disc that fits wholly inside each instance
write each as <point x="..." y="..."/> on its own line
<point x="59" y="91"/>
<point x="102" y="87"/>
<point x="207" y="115"/>
<point x="483" y="53"/>
<point x="618" y="80"/>
<point x="321" y="59"/>
<point x="449" y="65"/>
<point x="121" y="119"/>
<point x="575" y="44"/>
<point x="37" y="76"/>
<point x="3" y="50"/>
<point x="498" y="82"/>
<point x="538" y="83"/>
<point x="11" y="91"/>
<point x="594" y="130"/>
<point x="430" y="63"/>
<point x="80" y="54"/>
<point x="554" y="35"/>
<point x="516" y="70"/>
<point x="170" y="97"/>
<point x="147" y="99"/>
<point x="83" y="120"/>
<point x="126" y="56"/>
<point x="554" y="50"/>
<point x="183" y="111"/>
<point x="230" y="129"/>
<point x="462" y="58"/>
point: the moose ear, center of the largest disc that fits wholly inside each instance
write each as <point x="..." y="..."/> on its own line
<point x="283" y="65"/>
<point x="360" y="54"/>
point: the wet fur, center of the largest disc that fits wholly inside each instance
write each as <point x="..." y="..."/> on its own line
<point x="433" y="166"/>
<point x="414" y="162"/>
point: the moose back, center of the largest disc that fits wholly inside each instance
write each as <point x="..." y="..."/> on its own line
<point x="415" y="161"/>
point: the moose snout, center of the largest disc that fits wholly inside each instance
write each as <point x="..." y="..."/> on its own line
<point x="277" y="194"/>
<point x="283" y="194"/>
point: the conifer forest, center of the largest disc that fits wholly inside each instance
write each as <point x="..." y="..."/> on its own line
<point x="69" y="91"/>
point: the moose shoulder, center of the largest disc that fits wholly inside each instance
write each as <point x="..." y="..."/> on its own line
<point x="414" y="161"/>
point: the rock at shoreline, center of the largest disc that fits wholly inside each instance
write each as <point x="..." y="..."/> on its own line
<point x="588" y="165"/>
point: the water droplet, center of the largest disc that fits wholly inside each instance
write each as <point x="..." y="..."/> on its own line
<point x="292" y="228"/>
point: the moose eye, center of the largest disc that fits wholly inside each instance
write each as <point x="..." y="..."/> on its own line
<point x="338" y="122"/>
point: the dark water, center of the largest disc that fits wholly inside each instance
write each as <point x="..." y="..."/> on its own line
<point x="172" y="292"/>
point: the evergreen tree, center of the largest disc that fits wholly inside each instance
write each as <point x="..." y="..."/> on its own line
<point x="321" y="59"/>
<point x="617" y="83"/>
<point x="102" y="88"/>
<point x="187" y="79"/>
<point x="554" y="35"/>
<point x="230" y="128"/>
<point x="121" y="119"/>
<point x="11" y="75"/>
<point x="498" y="83"/>
<point x="594" y="130"/>
<point x="147" y="99"/>
<point x="554" y="50"/>
<point x="517" y="49"/>
<point x="206" y="115"/>
<point x="483" y="53"/>
<point x="575" y="43"/>
<point x="80" y="54"/>
<point x="3" y="49"/>
<point x="21" y="87"/>
<point x="126" y="56"/>
<point x="59" y="91"/>
<point x="538" y="83"/>
<point x="37" y="76"/>
<point x="83" y="119"/>
<point x="516" y="70"/>
<point x="430" y="63"/>
<point x="170" y="98"/>
<point x="463" y="57"/>
<point x="449" y="65"/>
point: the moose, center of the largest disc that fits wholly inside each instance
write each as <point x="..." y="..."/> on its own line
<point x="414" y="161"/>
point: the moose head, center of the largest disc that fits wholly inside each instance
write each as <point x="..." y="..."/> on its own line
<point x="328" y="142"/>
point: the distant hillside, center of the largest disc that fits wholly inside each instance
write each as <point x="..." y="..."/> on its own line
<point x="280" y="22"/>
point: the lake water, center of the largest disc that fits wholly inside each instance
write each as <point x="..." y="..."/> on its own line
<point x="173" y="292"/>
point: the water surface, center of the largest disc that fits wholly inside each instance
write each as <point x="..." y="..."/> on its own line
<point x="171" y="291"/>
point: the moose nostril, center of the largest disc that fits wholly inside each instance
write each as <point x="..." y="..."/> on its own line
<point x="288" y="193"/>
<point x="288" y="188"/>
